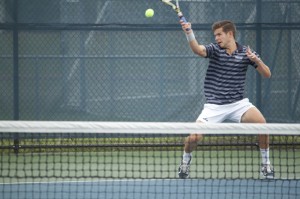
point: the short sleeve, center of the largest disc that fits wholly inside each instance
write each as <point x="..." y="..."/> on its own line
<point x="210" y="48"/>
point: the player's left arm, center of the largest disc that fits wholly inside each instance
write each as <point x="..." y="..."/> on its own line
<point x="262" y="68"/>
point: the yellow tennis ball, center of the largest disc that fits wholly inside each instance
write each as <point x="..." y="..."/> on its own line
<point x="149" y="13"/>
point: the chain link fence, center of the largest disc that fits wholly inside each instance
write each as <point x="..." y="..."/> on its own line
<point x="103" y="60"/>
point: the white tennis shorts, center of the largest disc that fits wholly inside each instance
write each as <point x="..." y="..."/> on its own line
<point x="213" y="113"/>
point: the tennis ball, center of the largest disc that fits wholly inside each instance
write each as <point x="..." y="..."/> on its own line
<point x="149" y="13"/>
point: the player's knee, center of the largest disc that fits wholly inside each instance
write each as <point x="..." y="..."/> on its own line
<point x="262" y="120"/>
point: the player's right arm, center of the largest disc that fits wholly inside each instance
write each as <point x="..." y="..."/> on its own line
<point x="195" y="46"/>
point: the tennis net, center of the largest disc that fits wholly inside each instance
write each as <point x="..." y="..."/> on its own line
<point x="141" y="160"/>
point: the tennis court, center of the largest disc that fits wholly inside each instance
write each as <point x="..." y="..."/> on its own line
<point x="156" y="188"/>
<point x="143" y="165"/>
<point x="67" y="176"/>
<point x="98" y="62"/>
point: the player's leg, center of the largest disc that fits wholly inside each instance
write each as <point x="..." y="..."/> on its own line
<point x="190" y="145"/>
<point x="191" y="142"/>
<point x="253" y="115"/>
<point x="210" y="114"/>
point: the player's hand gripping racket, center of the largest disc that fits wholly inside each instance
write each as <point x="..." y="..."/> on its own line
<point x="176" y="8"/>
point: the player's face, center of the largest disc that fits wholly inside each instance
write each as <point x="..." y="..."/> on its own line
<point x="221" y="38"/>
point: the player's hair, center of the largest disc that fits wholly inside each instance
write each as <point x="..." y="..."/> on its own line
<point x="226" y="25"/>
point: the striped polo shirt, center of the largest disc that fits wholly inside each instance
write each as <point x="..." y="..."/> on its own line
<point x="226" y="74"/>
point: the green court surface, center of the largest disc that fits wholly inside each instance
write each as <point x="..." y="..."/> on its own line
<point x="67" y="166"/>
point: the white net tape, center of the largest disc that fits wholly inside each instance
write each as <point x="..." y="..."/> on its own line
<point x="147" y="127"/>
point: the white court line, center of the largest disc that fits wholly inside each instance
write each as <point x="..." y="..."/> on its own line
<point x="142" y="180"/>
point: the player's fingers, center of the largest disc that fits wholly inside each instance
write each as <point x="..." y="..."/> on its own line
<point x="250" y="55"/>
<point x="248" y="51"/>
<point x="187" y="25"/>
<point x="182" y="22"/>
<point x="184" y="25"/>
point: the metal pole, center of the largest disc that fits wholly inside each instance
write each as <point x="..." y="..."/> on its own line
<point x="15" y="62"/>
<point x="16" y="73"/>
<point x="258" y="49"/>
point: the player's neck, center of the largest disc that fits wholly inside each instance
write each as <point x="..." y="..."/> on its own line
<point x="231" y="47"/>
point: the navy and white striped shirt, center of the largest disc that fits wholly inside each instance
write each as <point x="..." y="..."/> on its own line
<point x="226" y="74"/>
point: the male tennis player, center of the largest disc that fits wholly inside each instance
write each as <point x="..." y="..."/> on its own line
<point x="224" y="88"/>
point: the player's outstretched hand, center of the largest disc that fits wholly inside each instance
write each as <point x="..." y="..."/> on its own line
<point x="251" y="55"/>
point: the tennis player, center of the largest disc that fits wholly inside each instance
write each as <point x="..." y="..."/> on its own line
<point x="224" y="87"/>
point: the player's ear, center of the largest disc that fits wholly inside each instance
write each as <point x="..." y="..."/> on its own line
<point x="230" y="33"/>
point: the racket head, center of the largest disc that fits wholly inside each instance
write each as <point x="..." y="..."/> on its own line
<point x="169" y="2"/>
<point x="177" y="4"/>
<point x="176" y="8"/>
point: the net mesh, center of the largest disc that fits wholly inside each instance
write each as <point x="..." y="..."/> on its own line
<point x="99" y="160"/>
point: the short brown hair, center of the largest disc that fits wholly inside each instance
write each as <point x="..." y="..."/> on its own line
<point x="226" y="25"/>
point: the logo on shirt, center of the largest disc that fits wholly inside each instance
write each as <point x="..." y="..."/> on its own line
<point x="239" y="57"/>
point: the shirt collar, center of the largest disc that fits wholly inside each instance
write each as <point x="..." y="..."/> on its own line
<point x="239" y="47"/>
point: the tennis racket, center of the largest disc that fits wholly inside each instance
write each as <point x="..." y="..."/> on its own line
<point x="176" y="8"/>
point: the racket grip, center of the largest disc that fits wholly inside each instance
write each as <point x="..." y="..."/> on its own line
<point x="181" y="17"/>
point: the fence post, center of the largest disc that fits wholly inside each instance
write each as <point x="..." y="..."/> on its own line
<point x="15" y="62"/>
<point x="16" y="72"/>
<point x="258" y="50"/>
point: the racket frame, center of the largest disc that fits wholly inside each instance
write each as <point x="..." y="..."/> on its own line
<point x="176" y="8"/>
